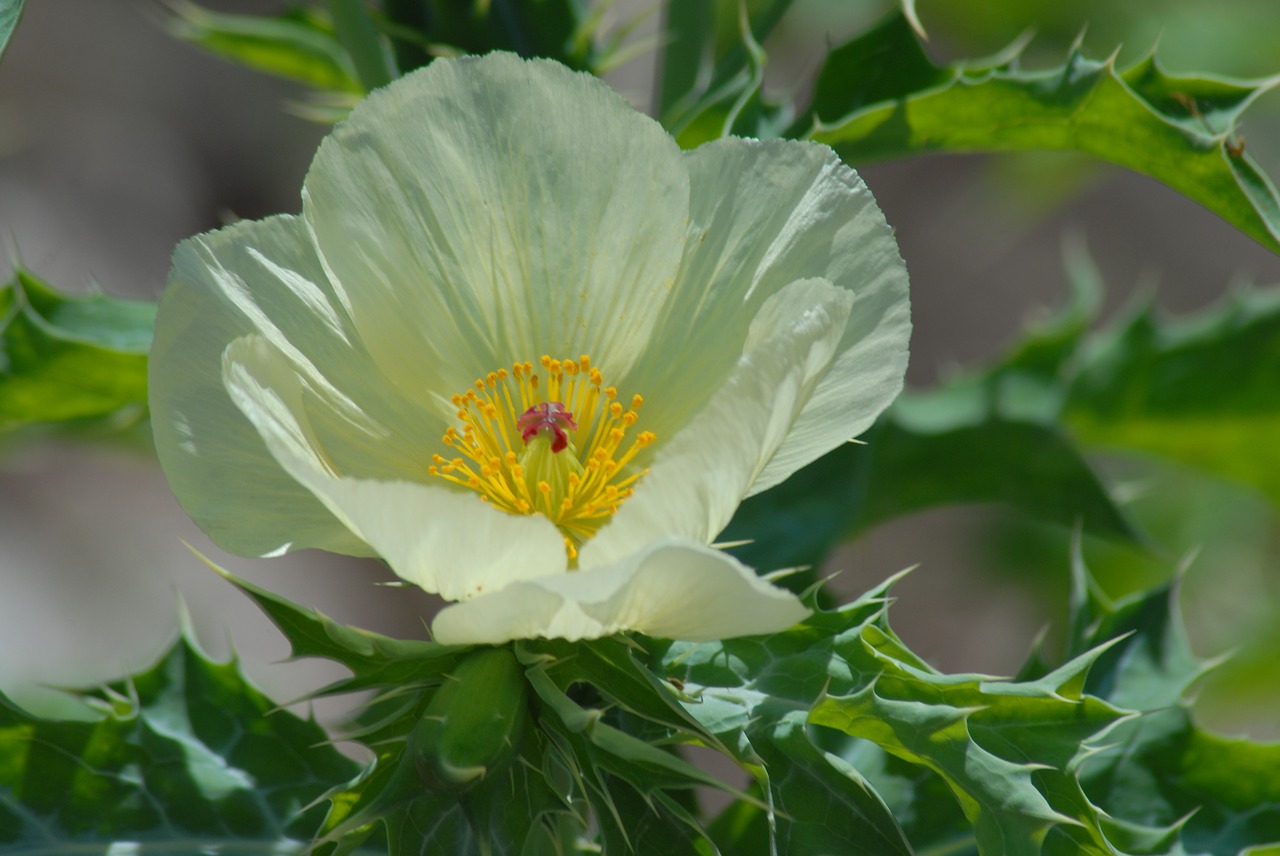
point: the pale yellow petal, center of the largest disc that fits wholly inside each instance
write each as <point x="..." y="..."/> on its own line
<point x="764" y="214"/>
<point x="673" y="589"/>
<point x="490" y="209"/>
<point x="698" y="477"/>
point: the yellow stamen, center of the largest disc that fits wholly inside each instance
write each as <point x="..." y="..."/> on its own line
<point x="558" y="449"/>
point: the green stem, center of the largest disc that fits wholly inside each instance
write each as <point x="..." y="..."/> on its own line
<point x="360" y="37"/>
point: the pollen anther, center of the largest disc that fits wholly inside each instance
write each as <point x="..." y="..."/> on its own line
<point x="557" y="448"/>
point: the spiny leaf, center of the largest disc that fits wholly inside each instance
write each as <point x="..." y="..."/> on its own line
<point x="754" y="694"/>
<point x="64" y="358"/>
<point x="183" y="757"/>
<point x="1007" y="749"/>
<point x="1160" y="770"/>
<point x="1181" y="131"/>
<point x="377" y="661"/>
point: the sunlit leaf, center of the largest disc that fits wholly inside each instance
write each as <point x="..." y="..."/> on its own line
<point x="297" y="45"/>
<point x="65" y="358"/>
<point x="1181" y="131"/>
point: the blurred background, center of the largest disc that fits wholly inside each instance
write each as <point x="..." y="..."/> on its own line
<point x="117" y="141"/>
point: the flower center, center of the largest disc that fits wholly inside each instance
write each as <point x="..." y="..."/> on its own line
<point x="559" y="449"/>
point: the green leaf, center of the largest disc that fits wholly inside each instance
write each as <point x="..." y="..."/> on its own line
<point x="296" y="45"/>
<point x="65" y="358"/>
<point x="951" y="446"/>
<point x="10" y="12"/>
<point x="1200" y="391"/>
<point x="1181" y="131"/>
<point x="753" y="694"/>
<point x="353" y="22"/>
<point x="1007" y="750"/>
<point x="184" y="757"/>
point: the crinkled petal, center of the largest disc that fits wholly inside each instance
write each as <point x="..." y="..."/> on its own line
<point x="261" y="278"/>
<point x="764" y="214"/>
<point x="490" y="209"/>
<point x="699" y="476"/>
<point x="444" y="541"/>
<point x="673" y="589"/>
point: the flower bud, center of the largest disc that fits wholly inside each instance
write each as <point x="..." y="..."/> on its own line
<point x="473" y="725"/>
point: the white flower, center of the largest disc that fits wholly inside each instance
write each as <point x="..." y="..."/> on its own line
<point x="359" y="378"/>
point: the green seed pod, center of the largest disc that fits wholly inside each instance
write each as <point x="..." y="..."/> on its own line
<point x="473" y="725"/>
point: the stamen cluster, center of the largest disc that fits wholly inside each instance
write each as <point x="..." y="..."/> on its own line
<point x="557" y="448"/>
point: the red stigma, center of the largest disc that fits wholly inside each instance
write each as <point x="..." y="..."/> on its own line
<point x="549" y="419"/>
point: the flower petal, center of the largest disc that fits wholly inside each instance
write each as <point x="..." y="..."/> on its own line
<point x="491" y="209"/>
<point x="254" y="277"/>
<point x="446" y="542"/>
<point x="673" y="589"/>
<point x="698" y="477"/>
<point x="764" y="214"/>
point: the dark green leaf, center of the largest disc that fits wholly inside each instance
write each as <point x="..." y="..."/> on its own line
<point x="65" y="358"/>
<point x="185" y="757"/>
<point x="10" y="12"/>
<point x="933" y="449"/>
<point x="557" y="29"/>
<point x="1181" y="131"/>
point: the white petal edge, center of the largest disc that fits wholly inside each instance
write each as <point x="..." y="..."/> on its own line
<point x="699" y="476"/>
<point x="214" y="459"/>
<point x="673" y="589"/>
<point x="447" y="542"/>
